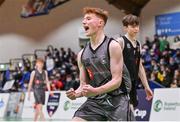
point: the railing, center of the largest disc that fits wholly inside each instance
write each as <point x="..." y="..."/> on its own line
<point x="4" y="66"/>
<point x="16" y="62"/>
<point x="31" y="58"/>
<point x="40" y="53"/>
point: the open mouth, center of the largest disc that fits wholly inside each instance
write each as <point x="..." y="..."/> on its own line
<point x="86" y="28"/>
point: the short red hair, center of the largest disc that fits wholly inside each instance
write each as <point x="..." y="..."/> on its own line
<point x="98" y="11"/>
<point x="40" y="60"/>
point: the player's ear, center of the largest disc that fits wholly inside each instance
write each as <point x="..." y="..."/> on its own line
<point x="101" y="22"/>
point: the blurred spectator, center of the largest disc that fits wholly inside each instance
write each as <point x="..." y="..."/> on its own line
<point x="153" y="77"/>
<point x="176" y="57"/>
<point x="148" y="42"/>
<point x="154" y="66"/>
<point x="17" y="76"/>
<point x="58" y="62"/>
<point x="7" y="74"/>
<point x="56" y="52"/>
<point x="164" y="44"/>
<point x="27" y="64"/>
<point x="173" y="84"/>
<point x="24" y="81"/>
<point x="49" y="64"/>
<point x="71" y="83"/>
<point x="177" y="76"/>
<point x="176" y="38"/>
<point x="172" y="64"/>
<point x="156" y="41"/>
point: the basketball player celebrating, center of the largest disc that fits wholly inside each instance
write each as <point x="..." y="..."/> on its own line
<point x="38" y="80"/>
<point x="131" y="55"/>
<point x="101" y="65"/>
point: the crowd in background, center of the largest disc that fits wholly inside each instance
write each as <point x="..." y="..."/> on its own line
<point x="162" y="65"/>
<point x="61" y="66"/>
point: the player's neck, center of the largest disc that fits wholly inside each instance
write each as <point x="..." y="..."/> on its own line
<point x="97" y="38"/>
<point x="132" y="38"/>
<point x="39" y="70"/>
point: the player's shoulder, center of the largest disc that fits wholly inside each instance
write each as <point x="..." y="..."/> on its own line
<point x="33" y="72"/>
<point x="80" y="52"/>
<point x="114" y="44"/>
<point x="119" y="39"/>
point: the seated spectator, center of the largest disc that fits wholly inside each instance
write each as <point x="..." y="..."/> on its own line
<point x="154" y="66"/>
<point x="172" y="64"/>
<point x="177" y="77"/>
<point x="163" y="43"/>
<point x="153" y="76"/>
<point x="49" y="64"/>
<point x="70" y="83"/>
<point x="173" y="84"/>
<point x="177" y="57"/>
<point x="177" y="38"/>
<point x="156" y="41"/>
<point x="148" y="42"/>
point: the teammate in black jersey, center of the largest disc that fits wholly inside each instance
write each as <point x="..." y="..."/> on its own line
<point x="132" y="57"/>
<point x="39" y="81"/>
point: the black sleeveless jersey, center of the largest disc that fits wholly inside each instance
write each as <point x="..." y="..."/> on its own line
<point x="97" y="66"/>
<point x="131" y="57"/>
<point x="39" y="80"/>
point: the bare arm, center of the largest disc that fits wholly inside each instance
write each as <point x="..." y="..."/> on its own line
<point x="116" y="67"/>
<point x="82" y="76"/>
<point x="83" y="80"/>
<point x="47" y="81"/>
<point x="121" y="42"/>
<point x="142" y="75"/>
<point x="31" y="81"/>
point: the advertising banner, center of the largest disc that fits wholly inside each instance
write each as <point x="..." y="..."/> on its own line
<point x="166" y="105"/>
<point x="57" y="107"/>
<point x="15" y="105"/>
<point x="50" y="109"/>
<point x="142" y="111"/>
<point x="168" y="24"/>
<point x="68" y="107"/>
<point x="3" y="103"/>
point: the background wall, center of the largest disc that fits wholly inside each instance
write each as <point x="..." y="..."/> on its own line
<point x="153" y="8"/>
<point x="59" y="28"/>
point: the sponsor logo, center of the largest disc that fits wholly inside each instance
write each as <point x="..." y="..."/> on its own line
<point x="67" y="105"/>
<point x="140" y="113"/>
<point x="53" y="103"/>
<point x="166" y="106"/>
<point x="128" y="45"/>
<point x="158" y="105"/>
<point x="171" y="106"/>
